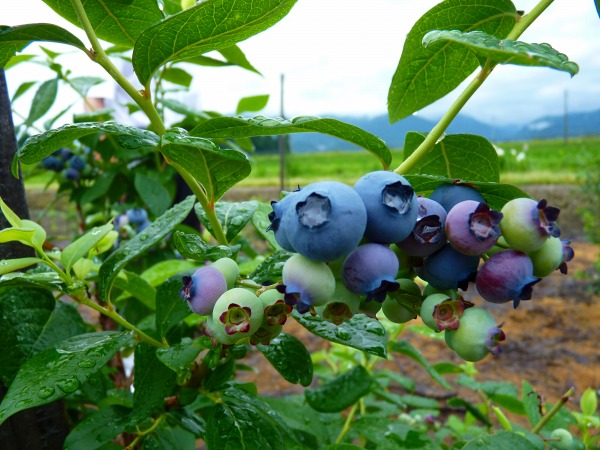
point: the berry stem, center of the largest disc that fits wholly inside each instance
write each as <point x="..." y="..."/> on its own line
<point x="438" y="130"/>
<point x="347" y="423"/>
<point x="559" y="404"/>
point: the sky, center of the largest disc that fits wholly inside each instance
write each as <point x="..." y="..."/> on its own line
<point x="338" y="58"/>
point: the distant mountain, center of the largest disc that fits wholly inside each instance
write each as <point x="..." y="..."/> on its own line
<point x="578" y="124"/>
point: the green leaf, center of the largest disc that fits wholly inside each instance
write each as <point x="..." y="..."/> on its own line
<point x="39" y="146"/>
<point x="11" y="265"/>
<point x="170" y="308"/>
<point x="382" y="431"/>
<point x="136" y="286"/>
<point x="98" y="428"/>
<point x="31" y="321"/>
<point x="209" y="25"/>
<point x="177" y="76"/>
<point x="47" y="280"/>
<point x="237" y="127"/>
<point x="81" y="247"/>
<point x="55" y="373"/>
<point x="10" y="215"/>
<point x="233" y="216"/>
<point x="589" y="402"/>
<point x="141" y="242"/>
<point x="15" y="39"/>
<point x="152" y="191"/>
<point x="42" y="100"/>
<point x="24" y="87"/>
<point x="244" y="422"/>
<point x="407" y="349"/>
<point x="290" y="358"/>
<point x="464" y="156"/>
<point x="270" y="269"/>
<point x="153" y="381"/>
<point x="361" y="332"/>
<point x="505" y="51"/>
<point x="495" y="194"/>
<point x="193" y="247"/>
<point x="114" y="21"/>
<point x="340" y="392"/>
<point x="83" y="84"/>
<point x="234" y="55"/>
<point x="216" y="170"/>
<point x="425" y="75"/>
<point x="252" y="104"/>
<point x="503" y="440"/>
<point x="460" y="403"/>
<point x="162" y="270"/>
<point x="179" y="357"/>
<point x="18" y="59"/>
<point x="102" y="184"/>
<point x="22" y="235"/>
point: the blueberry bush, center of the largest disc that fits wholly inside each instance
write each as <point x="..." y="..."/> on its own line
<point x="139" y="325"/>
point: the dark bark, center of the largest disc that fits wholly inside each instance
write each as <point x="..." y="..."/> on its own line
<point x="44" y="427"/>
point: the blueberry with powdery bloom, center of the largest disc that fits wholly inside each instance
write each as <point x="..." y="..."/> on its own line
<point x="325" y="221"/>
<point x="448" y="195"/>
<point x="506" y="276"/>
<point x="391" y="205"/>
<point x="276" y="216"/>
<point x="202" y="289"/>
<point x="449" y="269"/>
<point x="371" y="270"/>
<point x="472" y="227"/>
<point x="428" y="235"/>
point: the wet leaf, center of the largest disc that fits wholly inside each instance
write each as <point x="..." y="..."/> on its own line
<point x="170" y="308"/>
<point x="153" y="381"/>
<point x="290" y="358"/>
<point x="359" y="332"/>
<point x="340" y="392"/>
<point x="192" y="246"/>
<point x="270" y="269"/>
<point x="503" y="440"/>
<point x="82" y="246"/>
<point x="98" y="428"/>
<point x="179" y="357"/>
<point x="11" y="265"/>
<point x="233" y="216"/>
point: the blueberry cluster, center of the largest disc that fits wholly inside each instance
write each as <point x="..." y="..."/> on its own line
<point x="233" y="313"/>
<point x="359" y="249"/>
<point x="131" y="222"/>
<point x="63" y="161"/>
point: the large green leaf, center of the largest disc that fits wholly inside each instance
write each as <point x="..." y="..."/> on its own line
<point x="152" y="191"/>
<point x="153" y="381"/>
<point x="240" y="421"/>
<point x="503" y="440"/>
<point x="98" y="429"/>
<point x="10" y="265"/>
<point x="340" y="392"/>
<point x="290" y="358"/>
<point x="495" y="194"/>
<point x="15" y="39"/>
<point x="209" y="25"/>
<point x="31" y="321"/>
<point x="42" y="100"/>
<point x="193" y="247"/>
<point x="237" y="127"/>
<point x="466" y="156"/>
<point x="505" y="51"/>
<point x="179" y="357"/>
<point x="39" y="146"/>
<point x="170" y="308"/>
<point x="114" y="21"/>
<point x="57" y="372"/>
<point x="359" y="332"/>
<point x="233" y="216"/>
<point x="141" y="242"/>
<point x="216" y="170"/>
<point x="252" y="104"/>
<point x="424" y="75"/>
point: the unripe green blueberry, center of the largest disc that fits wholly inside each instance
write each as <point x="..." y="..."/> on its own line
<point x="217" y="333"/>
<point x="230" y="270"/>
<point x="265" y="334"/>
<point x="553" y="255"/>
<point x="369" y="308"/>
<point x="276" y="311"/>
<point x="527" y="224"/>
<point x="409" y="292"/>
<point x="561" y="439"/>
<point x="440" y="312"/>
<point x="306" y="283"/>
<point x="239" y="312"/>
<point x="476" y="336"/>
<point x="342" y="306"/>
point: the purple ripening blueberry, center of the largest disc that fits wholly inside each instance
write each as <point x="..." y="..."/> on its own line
<point x="428" y="234"/>
<point x="202" y="289"/>
<point x="472" y="227"/>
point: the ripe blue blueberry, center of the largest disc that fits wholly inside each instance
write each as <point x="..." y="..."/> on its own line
<point x="306" y="283"/>
<point x="137" y="216"/>
<point x="506" y="276"/>
<point x="476" y="336"/>
<point x="53" y="163"/>
<point x="527" y="224"/>
<point x="371" y="270"/>
<point x="202" y="289"/>
<point x="428" y="235"/>
<point x="325" y="220"/>
<point x="449" y="195"/>
<point x="472" y="227"/>
<point x="77" y="162"/>
<point x="449" y="269"/>
<point x="391" y="204"/>
<point x="72" y="174"/>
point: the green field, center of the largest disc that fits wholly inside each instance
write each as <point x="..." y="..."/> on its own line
<point x="542" y="162"/>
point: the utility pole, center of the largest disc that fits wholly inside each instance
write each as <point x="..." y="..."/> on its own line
<point x="281" y="139"/>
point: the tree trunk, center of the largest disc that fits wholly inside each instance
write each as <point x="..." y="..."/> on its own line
<point x="44" y="427"/>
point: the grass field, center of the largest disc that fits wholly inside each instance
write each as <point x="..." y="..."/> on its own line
<point x="535" y="162"/>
